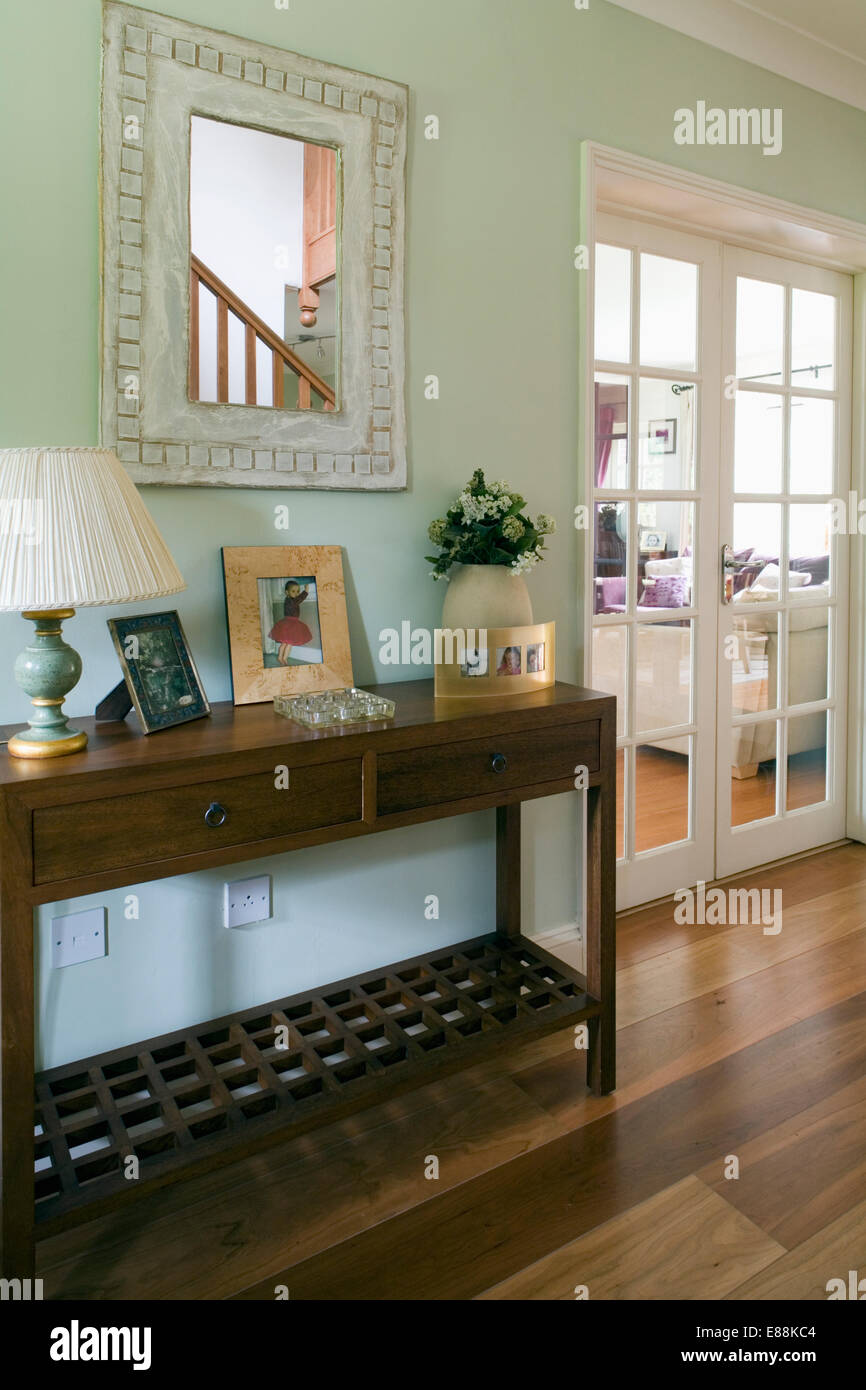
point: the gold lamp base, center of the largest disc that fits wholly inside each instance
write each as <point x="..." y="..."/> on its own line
<point x="55" y="748"/>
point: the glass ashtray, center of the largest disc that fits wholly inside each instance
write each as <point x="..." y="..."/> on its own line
<point x="327" y="708"/>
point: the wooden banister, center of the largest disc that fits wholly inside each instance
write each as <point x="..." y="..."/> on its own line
<point x="194" y="388"/>
<point x="256" y="328"/>
<point x="319" y="228"/>
<point x="222" y="350"/>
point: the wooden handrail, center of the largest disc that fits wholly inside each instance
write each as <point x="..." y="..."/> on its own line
<point x="256" y="327"/>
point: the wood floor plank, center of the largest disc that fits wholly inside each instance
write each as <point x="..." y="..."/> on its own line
<point x="515" y="1214"/>
<point x="667" y="1046"/>
<point x="803" y="1273"/>
<point x="686" y="1243"/>
<point x="652" y="931"/>
<point x="663" y="982"/>
<point x="217" y="1247"/>
<point x="804" y="1174"/>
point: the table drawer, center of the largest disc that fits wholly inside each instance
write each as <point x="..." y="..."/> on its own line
<point x="90" y="836"/>
<point x="434" y="776"/>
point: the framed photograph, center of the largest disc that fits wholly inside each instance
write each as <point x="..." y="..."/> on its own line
<point x="653" y="540"/>
<point x="288" y="630"/>
<point x="159" y="671"/>
<point x="475" y="663"/>
<point x="663" y="436"/>
<point x="507" y="661"/>
<point x="535" y="657"/>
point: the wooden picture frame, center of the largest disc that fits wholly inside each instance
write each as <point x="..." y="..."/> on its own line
<point x="163" y="695"/>
<point x="286" y="612"/>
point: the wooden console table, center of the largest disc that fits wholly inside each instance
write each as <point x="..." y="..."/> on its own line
<point x="132" y="809"/>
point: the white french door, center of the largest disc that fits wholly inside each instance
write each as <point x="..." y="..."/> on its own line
<point x="711" y="428"/>
<point x="654" y="524"/>
<point x="784" y="512"/>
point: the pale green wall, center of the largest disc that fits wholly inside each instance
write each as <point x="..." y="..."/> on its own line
<point x="492" y="303"/>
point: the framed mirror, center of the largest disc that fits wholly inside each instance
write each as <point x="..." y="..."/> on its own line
<point x="253" y="222"/>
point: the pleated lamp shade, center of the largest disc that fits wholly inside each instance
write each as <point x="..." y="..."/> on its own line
<point x="74" y="533"/>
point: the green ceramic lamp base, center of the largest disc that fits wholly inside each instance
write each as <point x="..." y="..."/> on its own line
<point x="47" y="670"/>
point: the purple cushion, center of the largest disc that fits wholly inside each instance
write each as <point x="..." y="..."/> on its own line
<point x="668" y="591"/>
<point x="612" y="591"/>
<point x="816" y="565"/>
<point x="744" y="578"/>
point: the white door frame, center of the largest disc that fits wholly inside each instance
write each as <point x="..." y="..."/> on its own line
<point x="626" y="184"/>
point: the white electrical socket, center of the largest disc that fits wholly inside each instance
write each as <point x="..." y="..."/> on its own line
<point x="248" y="900"/>
<point x="77" y="937"/>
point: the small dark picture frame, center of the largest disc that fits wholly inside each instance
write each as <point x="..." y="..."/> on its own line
<point x="159" y="671"/>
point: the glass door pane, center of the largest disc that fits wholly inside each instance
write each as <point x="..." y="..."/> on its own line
<point x="611" y="430"/>
<point x="668" y="313"/>
<point x="760" y="330"/>
<point x="813" y="339"/>
<point x="612" y="303"/>
<point x="758" y="441"/>
<point x="666" y="434"/>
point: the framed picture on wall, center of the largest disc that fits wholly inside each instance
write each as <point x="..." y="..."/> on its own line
<point x="286" y="611"/>
<point x="663" y="436"/>
<point x="159" y="671"/>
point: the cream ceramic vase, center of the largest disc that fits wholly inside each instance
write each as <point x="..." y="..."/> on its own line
<point x="486" y="596"/>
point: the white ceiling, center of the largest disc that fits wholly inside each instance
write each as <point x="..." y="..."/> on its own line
<point x="818" y="43"/>
<point x="841" y="23"/>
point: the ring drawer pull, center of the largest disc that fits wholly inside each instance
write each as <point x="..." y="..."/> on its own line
<point x="215" y="815"/>
<point x="499" y="762"/>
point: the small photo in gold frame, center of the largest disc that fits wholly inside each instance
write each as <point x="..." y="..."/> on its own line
<point x="497" y="661"/>
<point x="288" y="630"/>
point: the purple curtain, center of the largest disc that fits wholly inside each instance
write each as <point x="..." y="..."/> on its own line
<point x="605" y="415"/>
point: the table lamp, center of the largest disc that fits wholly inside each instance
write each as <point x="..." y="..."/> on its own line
<point x="74" y="533"/>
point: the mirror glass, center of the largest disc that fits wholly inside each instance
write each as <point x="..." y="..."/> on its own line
<point x="264" y="291"/>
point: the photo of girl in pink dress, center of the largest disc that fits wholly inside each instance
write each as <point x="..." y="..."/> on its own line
<point x="290" y="631"/>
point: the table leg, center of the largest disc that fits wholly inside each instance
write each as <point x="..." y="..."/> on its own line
<point x="508" y="869"/>
<point x="16" y="1083"/>
<point x="601" y="915"/>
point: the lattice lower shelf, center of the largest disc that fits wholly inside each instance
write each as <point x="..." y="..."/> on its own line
<point x="179" y="1103"/>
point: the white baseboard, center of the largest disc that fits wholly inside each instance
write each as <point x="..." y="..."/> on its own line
<point x="556" y="936"/>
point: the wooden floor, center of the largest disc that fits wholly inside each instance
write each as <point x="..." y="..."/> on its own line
<point x="733" y="1044"/>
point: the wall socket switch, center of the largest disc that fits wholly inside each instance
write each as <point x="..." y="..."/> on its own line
<point x="77" y="937"/>
<point x="247" y="900"/>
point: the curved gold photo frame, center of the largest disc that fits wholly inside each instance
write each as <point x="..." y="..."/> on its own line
<point x="512" y="661"/>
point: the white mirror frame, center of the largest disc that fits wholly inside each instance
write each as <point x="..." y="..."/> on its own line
<point x="157" y="73"/>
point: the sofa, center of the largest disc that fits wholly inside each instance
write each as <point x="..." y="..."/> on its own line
<point x="753" y="744"/>
<point x="663" y="651"/>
